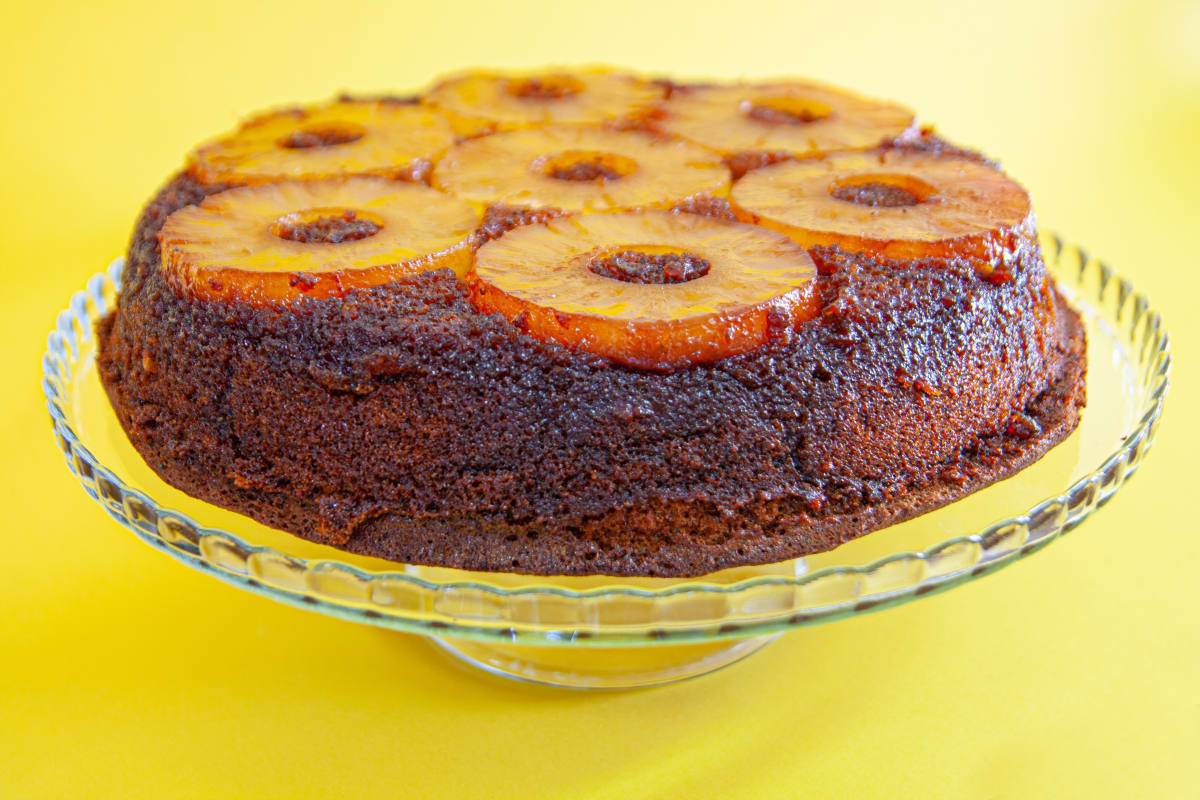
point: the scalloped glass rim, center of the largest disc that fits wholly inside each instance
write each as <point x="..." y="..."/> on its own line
<point x="688" y="610"/>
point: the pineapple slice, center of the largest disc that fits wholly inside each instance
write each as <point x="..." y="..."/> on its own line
<point x="794" y="117"/>
<point x="278" y="242"/>
<point x="345" y="137"/>
<point x="893" y="204"/>
<point x="485" y="101"/>
<point x="651" y="290"/>
<point x="573" y="168"/>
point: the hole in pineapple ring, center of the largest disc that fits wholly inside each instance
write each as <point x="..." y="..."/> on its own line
<point x="546" y="87"/>
<point x="647" y="263"/>
<point x="327" y="225"/>
<point x="584" y="165"/>
<point x="785" y="109"/>
<point x="323" y="135"/>
<point x="882" y="190"/>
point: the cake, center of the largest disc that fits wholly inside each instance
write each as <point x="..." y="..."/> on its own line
<point x="585" y="322"/>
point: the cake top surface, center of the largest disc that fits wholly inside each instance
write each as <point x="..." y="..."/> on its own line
<point x="655" y="223"/>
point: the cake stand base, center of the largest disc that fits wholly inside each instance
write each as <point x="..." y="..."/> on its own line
<point x="602" y="667"/>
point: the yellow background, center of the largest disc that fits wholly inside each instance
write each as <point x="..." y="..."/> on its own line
<point x="123" y="674"/>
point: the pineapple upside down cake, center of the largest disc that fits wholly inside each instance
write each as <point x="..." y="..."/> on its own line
<point x="579" y="321"/>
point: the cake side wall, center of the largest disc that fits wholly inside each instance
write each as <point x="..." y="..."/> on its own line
<point x="402" y="423"/>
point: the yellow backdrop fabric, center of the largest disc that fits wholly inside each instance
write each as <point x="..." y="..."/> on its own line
<point x="124" y="674"/>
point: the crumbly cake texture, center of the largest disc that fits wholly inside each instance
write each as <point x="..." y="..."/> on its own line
<point x="399" y="422"/>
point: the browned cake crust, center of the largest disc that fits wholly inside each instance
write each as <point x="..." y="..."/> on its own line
<point x="399" y="422"/>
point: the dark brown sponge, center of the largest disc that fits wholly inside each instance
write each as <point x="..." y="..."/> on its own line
<point x="399" y="422"/>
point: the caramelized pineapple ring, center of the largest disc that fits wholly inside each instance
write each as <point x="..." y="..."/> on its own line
<point x="651" y="290"/>
<point x="278" y="242"/>
<point x="894" y="204"/>
<point x="792" y="117"/>
<point x="346" y="137"/>
<point x="581" y="169"/>
<point x="477" y="102"/>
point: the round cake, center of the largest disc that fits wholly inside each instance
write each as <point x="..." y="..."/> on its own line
<point x="585" y="322"/>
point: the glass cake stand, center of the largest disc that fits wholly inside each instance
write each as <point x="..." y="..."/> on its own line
<point x="605" y="632"/>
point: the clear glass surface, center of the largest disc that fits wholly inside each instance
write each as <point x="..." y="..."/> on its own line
<point x="1129" y="363"/>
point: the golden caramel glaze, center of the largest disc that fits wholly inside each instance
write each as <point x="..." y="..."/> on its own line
<point x="575" y="168"/>
<point x="896" y="204"/>
<point x="276" y="243"/>
<point x="486" y="100"/>
<point x="796" y="117"/>
<point x="345" y="137"/>
<point x="554" y="281"/>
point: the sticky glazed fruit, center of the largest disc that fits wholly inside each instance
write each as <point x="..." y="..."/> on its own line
<point x="894" y="204"/>
<point x="793" y="118"/>
<point x="279" y="242"/>
<point x="575" y="168"/>
<point x="485" y="101"/>
<point x="345" y="137"/>
<point x="652" y="290"/>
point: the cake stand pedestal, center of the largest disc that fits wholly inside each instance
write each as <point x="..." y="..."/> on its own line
<point x="602" y="667"/>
